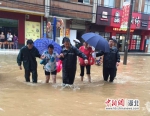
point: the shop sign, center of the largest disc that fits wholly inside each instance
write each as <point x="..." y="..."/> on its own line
<point x="144" y="24"/>
<point x="118" y="29"/>
<point x="144" y="21"/>
<point x="117" y="17"/>
<point x="136" y="21"/>
<point x="104" y="16"/>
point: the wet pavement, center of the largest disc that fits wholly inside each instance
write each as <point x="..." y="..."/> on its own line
<point x="18" y="98"/>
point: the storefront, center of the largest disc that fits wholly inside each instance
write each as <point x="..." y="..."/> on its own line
<point x="23" y="25"/>
<point x="75" y="29"/>
<point x="8" y="25"/>
<point x="111" y="19"/>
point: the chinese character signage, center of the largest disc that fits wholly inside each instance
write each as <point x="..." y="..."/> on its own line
<point x="103" y="16"/>
<point x="119" y="18"/>
<point x="32" y="30"/>
<point x="144" y="21"/>
<point x="116" y="18"/>
<point x="136" y="21"/>
<point x="125" y="15"/>
<point x="122" y="104"/>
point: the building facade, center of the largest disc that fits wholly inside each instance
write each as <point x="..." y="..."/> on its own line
<point x="23" y="18"/>
<point x="108" y="22"/>
<point x="76" y="14"/>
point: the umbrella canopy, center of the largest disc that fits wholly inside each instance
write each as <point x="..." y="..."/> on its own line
<point x="76" y="40"/>
<point x="97" y="41"/>
<point x="43" y="43"/>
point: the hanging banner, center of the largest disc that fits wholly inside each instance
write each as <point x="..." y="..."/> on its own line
<point x="61" y="32"/>
<point x="125" y="15"/>
<point x="67" y="33"/>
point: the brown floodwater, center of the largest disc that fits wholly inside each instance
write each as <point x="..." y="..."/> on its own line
<point x="18" y="98"/>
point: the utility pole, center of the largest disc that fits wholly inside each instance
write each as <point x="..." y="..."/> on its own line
<point x="128" y="34"/>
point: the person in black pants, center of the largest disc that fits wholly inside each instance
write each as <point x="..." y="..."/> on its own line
<point x="28" y="55"/>
<point x="88" y="72"/>
<point x="69" y="61"/>
<point x="115" y="46"/>
<point x="110" y="61"/>
<point x="87" y="50"/>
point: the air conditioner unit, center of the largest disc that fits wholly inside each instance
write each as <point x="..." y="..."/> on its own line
<point x="27" y="16"/>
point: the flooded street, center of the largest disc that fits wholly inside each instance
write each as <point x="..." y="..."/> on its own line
<point x="18" y="98"/>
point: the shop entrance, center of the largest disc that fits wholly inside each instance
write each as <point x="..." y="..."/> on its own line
<point x="121" y="42"/>
<point x="8" y="25"/>
<point x="135" y="43"/>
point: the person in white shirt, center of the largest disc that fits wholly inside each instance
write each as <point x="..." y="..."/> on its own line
<point x="10" y="41"/>
<point x="50" y="67"/>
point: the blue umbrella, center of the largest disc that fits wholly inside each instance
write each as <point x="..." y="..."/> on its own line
<point x="42" y="45"/>
<point x="97" y="41"/>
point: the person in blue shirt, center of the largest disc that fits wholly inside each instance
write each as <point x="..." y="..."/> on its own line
<point x="50" y="67"/>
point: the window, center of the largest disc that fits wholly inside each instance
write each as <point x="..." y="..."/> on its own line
<point x="109" y="3"/>
<point x="135" y="42"/>
<point x="84" y="1"/>
<point x="127" y="0"/>
<point x="105" y="35"/>
<point x="133" y="7"/>
<point x="147" y="7"/>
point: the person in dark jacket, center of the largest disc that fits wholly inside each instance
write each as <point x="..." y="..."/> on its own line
<point x="69" y="61"/>
<point x="28" y="55"/>
<point x="110" y="61"/>
<point x="115" y="47"/>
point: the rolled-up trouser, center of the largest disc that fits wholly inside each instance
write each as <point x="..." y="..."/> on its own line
<point x="88" y="68"/>
<point x="69" y="75"/>
<point x="34" y="75"/>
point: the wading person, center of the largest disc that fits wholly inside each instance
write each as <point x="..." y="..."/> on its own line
<point x="87" y="50"/>
<point x="28" y="55"/>
<point x="110" y="61"/>
<point x="15" y="40"/>
<point x="69" y="61"/>
<point x="115" y="47"/>
<point x="50" y="67"/>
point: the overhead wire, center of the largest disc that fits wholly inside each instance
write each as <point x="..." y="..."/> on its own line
<point x="58" y="9"/>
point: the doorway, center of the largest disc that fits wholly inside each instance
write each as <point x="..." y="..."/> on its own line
<point x="8" y="25"/>
<point x="121" y="42"/>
